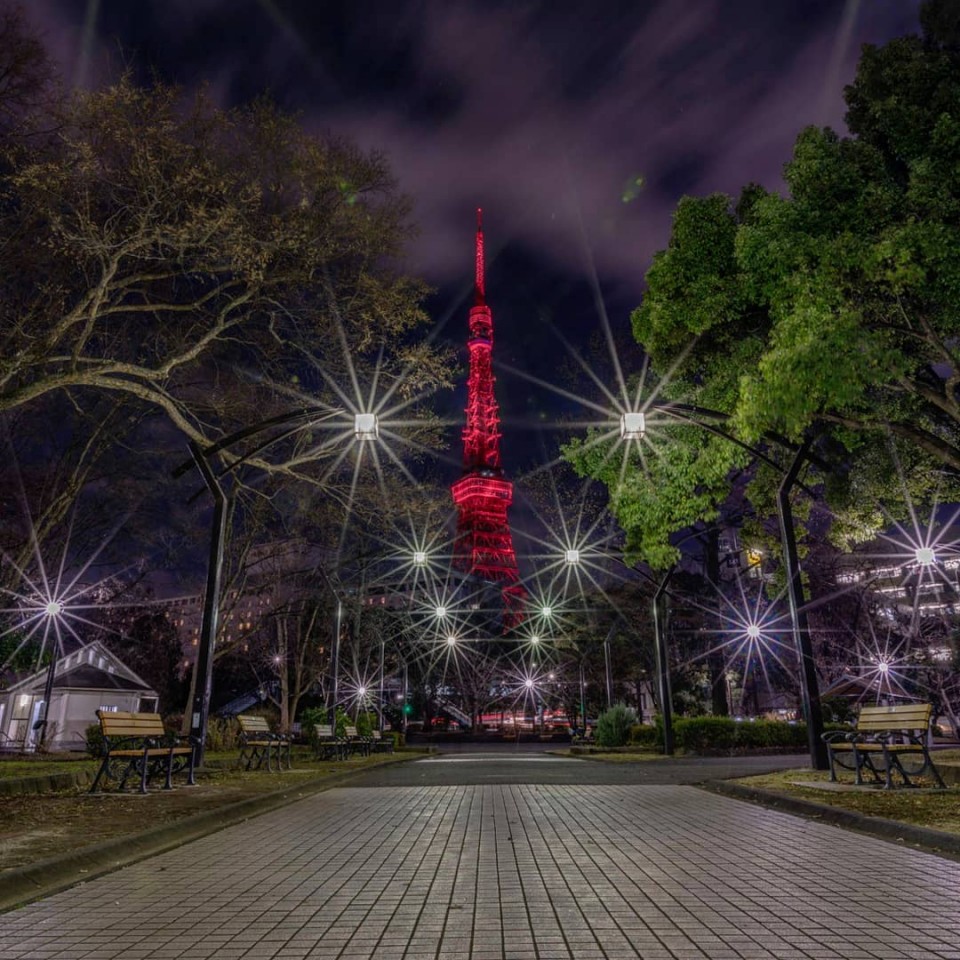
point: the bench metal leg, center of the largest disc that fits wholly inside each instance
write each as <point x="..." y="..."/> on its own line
<point x="144" y="765"/>
<point x="130" y="768"/>
<point x="833" y="771"/>
<point x="100" y="773"/>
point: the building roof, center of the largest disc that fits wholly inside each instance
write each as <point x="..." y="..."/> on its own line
<point x="87" y="676"/>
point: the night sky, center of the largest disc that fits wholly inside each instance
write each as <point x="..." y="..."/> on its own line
<point x="577" y="126"/>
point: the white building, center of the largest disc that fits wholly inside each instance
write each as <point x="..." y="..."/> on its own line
<point x="87" y="679"/>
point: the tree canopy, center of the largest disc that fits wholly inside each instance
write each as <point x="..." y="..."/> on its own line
<point x="833" y="308"/>
<point x="216" y="264"/>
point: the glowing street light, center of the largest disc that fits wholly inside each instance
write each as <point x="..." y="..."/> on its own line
<point x="546" y="611"/>
<point x="419" y="558"/>
<point x="883" y="666"/>
<point x="53" y="609"/>
<point x="451" y="640"/>
<point x="440" y="612"/>
<point x="572" y="556"/>
<point x="753" y="632"/>
<point x="361" y="692"/>
<point x="528" y="683"/>
<point x="633" y="426"/>
<point x="534" y="640"/>
<point x="365" y="426"/>
<point x="925" y="556"/>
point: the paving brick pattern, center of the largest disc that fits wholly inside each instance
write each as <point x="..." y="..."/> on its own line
<point x="509" y="873"/>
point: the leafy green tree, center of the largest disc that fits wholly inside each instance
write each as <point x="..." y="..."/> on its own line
<point x="833" y="309"/>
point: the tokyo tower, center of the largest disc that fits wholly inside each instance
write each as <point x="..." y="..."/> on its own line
<point x="484" y="544"/>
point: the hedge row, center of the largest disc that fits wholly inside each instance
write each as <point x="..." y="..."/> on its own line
<point x="712" y="734"/>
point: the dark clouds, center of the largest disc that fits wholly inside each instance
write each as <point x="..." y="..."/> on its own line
<point x="542" y="112"/>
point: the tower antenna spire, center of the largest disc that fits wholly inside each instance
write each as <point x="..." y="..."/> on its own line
<point x="479" y="283"/>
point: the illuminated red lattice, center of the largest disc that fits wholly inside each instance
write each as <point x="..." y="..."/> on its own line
<point x="484" y="544"/>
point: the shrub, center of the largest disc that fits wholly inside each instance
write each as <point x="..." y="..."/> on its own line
<point x="366" y="723"/>
<point x="222" y="733"/>
<point x="94" y="739"/>
<point x="613" y="725"/>
<point x="309" y="718"/>
<point x="343" y="720"/>
<point x="648" y="735"/>
<point x="723" y="734"/>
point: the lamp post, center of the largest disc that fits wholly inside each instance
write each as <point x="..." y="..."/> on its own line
<point x="51" y="610"/>
<point x="663" y="662"/>
<point x="201" y="457"/>
<point x="383" y="650"/>
<point x="607" y="671"/>
<point x="809" y="686"/>
<point x="583" y="699"/>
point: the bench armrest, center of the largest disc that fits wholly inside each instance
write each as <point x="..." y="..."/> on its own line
<point x="838" y="736"/>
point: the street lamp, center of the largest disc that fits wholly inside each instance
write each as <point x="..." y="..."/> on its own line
<point x="52" y="610"/>
<point x="301" y="419"/>
<point x="366" y="426"/>
<point x="633" y="426"/>
<point x="572" y="557"/>
<point x="809" y="684"/>
<point x="925" y="556"/>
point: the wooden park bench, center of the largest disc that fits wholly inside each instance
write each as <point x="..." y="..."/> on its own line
<point x="379" y="743"/>
<point x="327" y="745"/>
<point x="356" y="743"/>
<point x="583" y="740"/>
<point x="137" y="743"/>
<point x="258" y="743"/>
<point x="882" y="736"/>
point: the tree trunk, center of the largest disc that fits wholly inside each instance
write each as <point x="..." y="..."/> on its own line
<point x="283" y="668"/>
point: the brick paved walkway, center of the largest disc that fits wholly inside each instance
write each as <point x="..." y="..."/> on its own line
<point x="511" y="872"/>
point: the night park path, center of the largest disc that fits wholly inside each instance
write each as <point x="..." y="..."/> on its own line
<point x="512" y="857"/>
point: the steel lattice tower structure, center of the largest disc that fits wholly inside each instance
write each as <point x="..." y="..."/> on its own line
<point x="484" y="544"/>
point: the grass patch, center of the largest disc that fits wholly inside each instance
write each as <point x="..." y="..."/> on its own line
<point x="44" y="765"/>
<point x="16" y="768"/>
<point x="936" y="809"/>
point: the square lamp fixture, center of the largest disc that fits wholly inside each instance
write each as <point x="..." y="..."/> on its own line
<point x="572" y="556"/>
<point x="365" y="426"/>
<point x="925" y="556"/>
<point x="419" y="558"/>
<point x="632" y="426"/>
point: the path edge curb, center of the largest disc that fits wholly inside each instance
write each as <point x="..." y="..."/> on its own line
<point x="22" y="885"/>
<point x="933" y="841"/>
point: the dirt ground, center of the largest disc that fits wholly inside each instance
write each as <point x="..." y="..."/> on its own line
<point x="36" y="827"/>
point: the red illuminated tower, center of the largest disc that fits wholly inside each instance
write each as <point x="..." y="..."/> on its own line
<point x="484" y="544"/>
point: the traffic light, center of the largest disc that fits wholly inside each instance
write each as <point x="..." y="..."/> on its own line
<point x="407" y="709"/>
